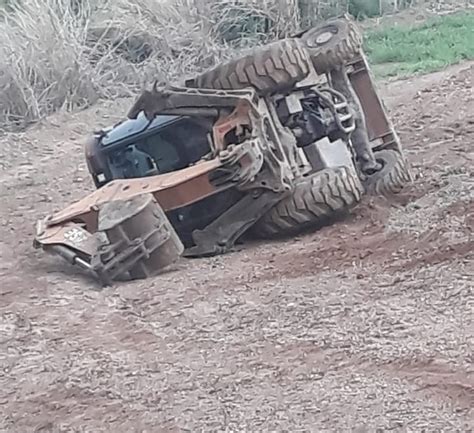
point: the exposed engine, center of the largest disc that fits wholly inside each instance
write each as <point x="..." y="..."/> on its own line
<point x="316" y="113"/>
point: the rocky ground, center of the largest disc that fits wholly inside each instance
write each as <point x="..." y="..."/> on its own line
<point x="363" y="325"/>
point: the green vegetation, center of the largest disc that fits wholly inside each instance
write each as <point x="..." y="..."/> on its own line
<point x="439" y="42"/>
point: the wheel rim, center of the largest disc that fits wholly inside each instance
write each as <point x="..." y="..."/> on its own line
<point x="322" y="37"/>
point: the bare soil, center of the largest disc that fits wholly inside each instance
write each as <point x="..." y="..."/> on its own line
<point x="366" y="324"/>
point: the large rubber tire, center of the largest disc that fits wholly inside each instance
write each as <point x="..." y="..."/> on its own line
<point x="393" y="176"/>
<point x="315" y="200"/>
<point x="269" y="69"/>
<point x="332" y="44"/>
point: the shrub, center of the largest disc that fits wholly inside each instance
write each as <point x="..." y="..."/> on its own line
<point x="69" y="53"/>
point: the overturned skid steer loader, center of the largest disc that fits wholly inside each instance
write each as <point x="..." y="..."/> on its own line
<point x="285" y="138"/>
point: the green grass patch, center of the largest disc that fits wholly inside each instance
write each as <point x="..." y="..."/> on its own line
<point x="439" y="42"/>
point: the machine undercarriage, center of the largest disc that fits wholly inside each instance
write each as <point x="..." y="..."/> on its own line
<point x="277" y="141"/>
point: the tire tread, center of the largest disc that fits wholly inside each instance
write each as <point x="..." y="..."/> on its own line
<point x="314" y="201"/>
<point x="269" y="69"/>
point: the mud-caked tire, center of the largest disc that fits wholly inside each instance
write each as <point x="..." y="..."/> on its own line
<point x="392" y="177"/>
<point x="332" y="44"/>
<point x="269" y="69"/>
<point x="316" y="200"/>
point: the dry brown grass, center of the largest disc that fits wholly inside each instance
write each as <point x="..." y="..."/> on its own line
<point x="54" y="55"/>
<point x="58" y="54"/>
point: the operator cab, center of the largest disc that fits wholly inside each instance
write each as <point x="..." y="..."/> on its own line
<point x="139" y="147"/>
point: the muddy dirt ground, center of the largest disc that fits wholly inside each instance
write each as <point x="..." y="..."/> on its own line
<point x="363" y="325"/>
